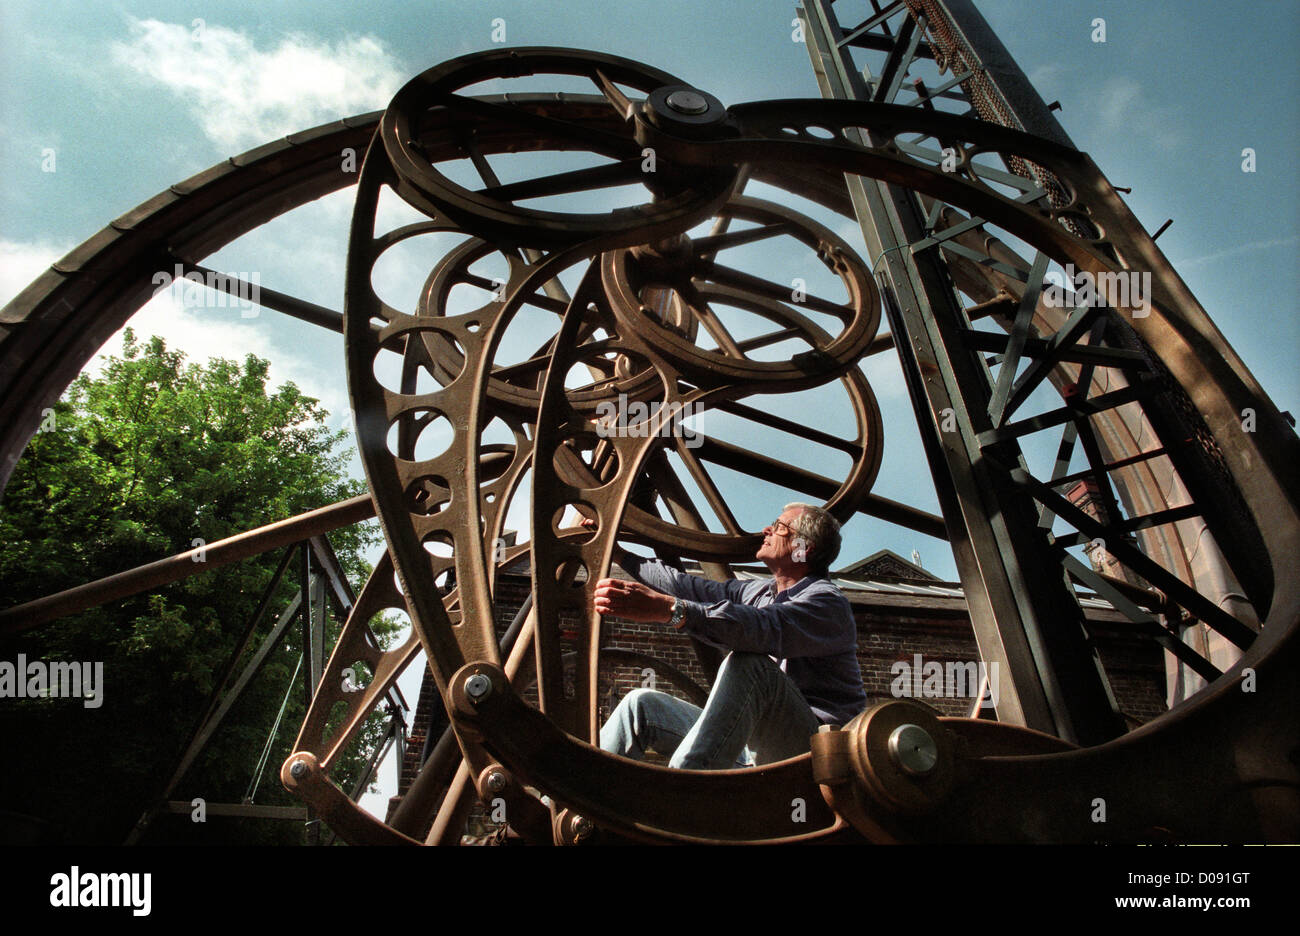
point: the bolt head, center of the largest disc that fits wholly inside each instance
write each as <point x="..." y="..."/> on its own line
<point x="913" y="750"/>
<point x="688" y="102"/>
<point x="478" y="686"/>
<point x="582" y="827"/>
<point x="496" y="781"/>
<point x="298" y="769"/>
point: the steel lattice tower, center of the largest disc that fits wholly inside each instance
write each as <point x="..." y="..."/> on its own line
<point x="1015" y="573"/>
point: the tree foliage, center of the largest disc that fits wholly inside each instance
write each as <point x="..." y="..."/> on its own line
<point x="132" y="466"/>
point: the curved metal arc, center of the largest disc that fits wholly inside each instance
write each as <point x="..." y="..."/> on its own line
<point x="553" y="557"/>
<point x="543" y="272"/>
<point x="642" y="800"/>
<point x="57" y="324"/>
<point x="461" y="522"/>
<point x="369" y="403"/>
<point x="1219" y="750"/>
<point x="447" y="649"/>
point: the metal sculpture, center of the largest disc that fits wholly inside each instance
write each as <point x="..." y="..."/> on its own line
<point x="641" y="328"/>
<point x="641" y="344"/>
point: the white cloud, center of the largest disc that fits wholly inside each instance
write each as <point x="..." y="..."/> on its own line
<point x="20" y="263"/>
<point x="1048" y="75"/>
<point x="1125" y="106"/>
<point x="1116" y="102"/>
<point x="1252" y="247"/>
<point x="243" y="96"/>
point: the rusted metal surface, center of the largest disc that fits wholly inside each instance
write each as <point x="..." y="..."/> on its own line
<point x="634" y="328"/>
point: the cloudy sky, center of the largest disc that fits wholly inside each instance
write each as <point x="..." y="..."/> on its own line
<point x="102" y="105"/>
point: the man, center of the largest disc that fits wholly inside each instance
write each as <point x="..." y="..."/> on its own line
<point x="757" y="706"/>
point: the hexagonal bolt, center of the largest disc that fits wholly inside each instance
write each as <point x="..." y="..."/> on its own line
<point x="477" y="687"/>
<point x="497" y="781"/>
<point x="298" y="769"/>
<point x="913" y="750"/>
<point x="687" y="102"/>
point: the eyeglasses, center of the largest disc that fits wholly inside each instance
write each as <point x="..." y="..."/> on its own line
<point x="780" y="527"/>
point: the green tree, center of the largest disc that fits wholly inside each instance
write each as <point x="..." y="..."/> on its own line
<point x="140" y="462"/>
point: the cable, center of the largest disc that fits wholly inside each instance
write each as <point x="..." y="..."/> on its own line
<point x="270" y="740"/>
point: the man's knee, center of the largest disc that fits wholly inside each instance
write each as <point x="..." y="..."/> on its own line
<point x="740" y="662"/>
<point x="638" y="702"/>
<point x="622" y="731"/>
<point x="639" y="698"/>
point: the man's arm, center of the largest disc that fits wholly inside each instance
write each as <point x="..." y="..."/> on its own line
<point x="817" y="622"/>
<point x="664" y="578"/>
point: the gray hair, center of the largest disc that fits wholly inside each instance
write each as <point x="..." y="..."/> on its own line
<point x="822" y="533"/>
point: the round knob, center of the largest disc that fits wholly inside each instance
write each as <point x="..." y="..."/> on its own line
<point x="478" y="686"/>
<point x="688" y="102"/>
<point x="913" y="750"/>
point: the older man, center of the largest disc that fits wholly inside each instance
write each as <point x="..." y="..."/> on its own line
<point x="759" y="710"/>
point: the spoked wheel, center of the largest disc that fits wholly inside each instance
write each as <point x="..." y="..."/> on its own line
<point x="594" y="357"/>
<point x="435" y="99"/>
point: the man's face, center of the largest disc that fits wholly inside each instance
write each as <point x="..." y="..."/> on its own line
<point x="779" y="540"/>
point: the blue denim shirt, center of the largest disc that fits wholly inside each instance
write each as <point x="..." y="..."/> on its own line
<point x="808" y="627"/>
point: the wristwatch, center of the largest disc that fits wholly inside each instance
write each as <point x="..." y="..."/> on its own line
<point x="679" y="613"/>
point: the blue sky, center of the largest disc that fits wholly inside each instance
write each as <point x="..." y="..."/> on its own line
<point x="131" y="97"/>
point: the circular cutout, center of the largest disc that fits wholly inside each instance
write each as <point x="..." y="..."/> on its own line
<point x="667" y="299"/>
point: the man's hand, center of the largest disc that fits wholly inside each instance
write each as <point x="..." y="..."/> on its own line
<point x="633" y="601"/>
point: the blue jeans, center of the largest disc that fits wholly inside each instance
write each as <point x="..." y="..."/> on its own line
<point x="752" y="703"/>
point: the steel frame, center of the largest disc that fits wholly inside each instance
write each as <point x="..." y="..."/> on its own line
<point x="993" y="88"/>
<point x="322" y="586"/>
